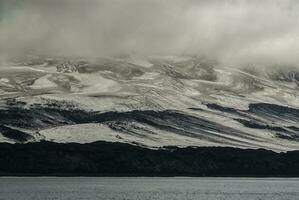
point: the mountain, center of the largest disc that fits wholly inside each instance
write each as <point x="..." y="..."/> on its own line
<point x="149" y="102"/>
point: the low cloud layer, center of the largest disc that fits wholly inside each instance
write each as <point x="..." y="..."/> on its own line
<point x="231" y="32"/>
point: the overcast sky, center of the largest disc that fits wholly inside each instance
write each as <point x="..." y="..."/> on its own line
<point x="237" y="32"/>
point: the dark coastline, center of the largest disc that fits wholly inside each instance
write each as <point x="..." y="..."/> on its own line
<point x="118" y="159"/>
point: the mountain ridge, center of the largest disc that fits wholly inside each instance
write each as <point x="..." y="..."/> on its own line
<point x="153" y="102"/>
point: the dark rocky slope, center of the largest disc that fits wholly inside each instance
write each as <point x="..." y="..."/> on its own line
<point x="117" y="159"/>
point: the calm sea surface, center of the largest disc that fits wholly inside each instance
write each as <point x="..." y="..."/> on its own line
<point x="148" y="188"/>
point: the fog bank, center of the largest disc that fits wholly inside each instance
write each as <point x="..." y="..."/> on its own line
<point x="231" y="32"/>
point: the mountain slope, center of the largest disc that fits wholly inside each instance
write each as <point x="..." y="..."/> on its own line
<point x="152" y="102"/>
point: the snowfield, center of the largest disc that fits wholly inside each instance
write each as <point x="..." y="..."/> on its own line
<point x="151" y="102"/>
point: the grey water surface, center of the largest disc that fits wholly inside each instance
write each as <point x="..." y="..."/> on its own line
<point x="143" y="188"/>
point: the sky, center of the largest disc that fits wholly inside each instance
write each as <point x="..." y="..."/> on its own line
<point x="230" y="31"/>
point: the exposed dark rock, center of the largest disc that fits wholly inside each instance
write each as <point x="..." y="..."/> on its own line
<point x="117" y="159"/>
<point x="67" y="67"/>
<point x="14" y="134"/>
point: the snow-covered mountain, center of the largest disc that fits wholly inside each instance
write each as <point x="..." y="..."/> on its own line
<point x="151" y="102"/>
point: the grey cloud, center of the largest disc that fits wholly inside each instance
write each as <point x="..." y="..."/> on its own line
<point x="232" y="32"/>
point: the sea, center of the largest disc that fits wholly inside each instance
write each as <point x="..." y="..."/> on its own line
<point x="147" y="188"/>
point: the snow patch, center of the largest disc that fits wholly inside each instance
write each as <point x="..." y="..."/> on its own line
<point x="43" y="83"/>
<point x="140" y="62"/>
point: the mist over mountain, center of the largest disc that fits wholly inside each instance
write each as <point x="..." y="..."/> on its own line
<point x="150" y="73"/>
<point x="230" y="32"/>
